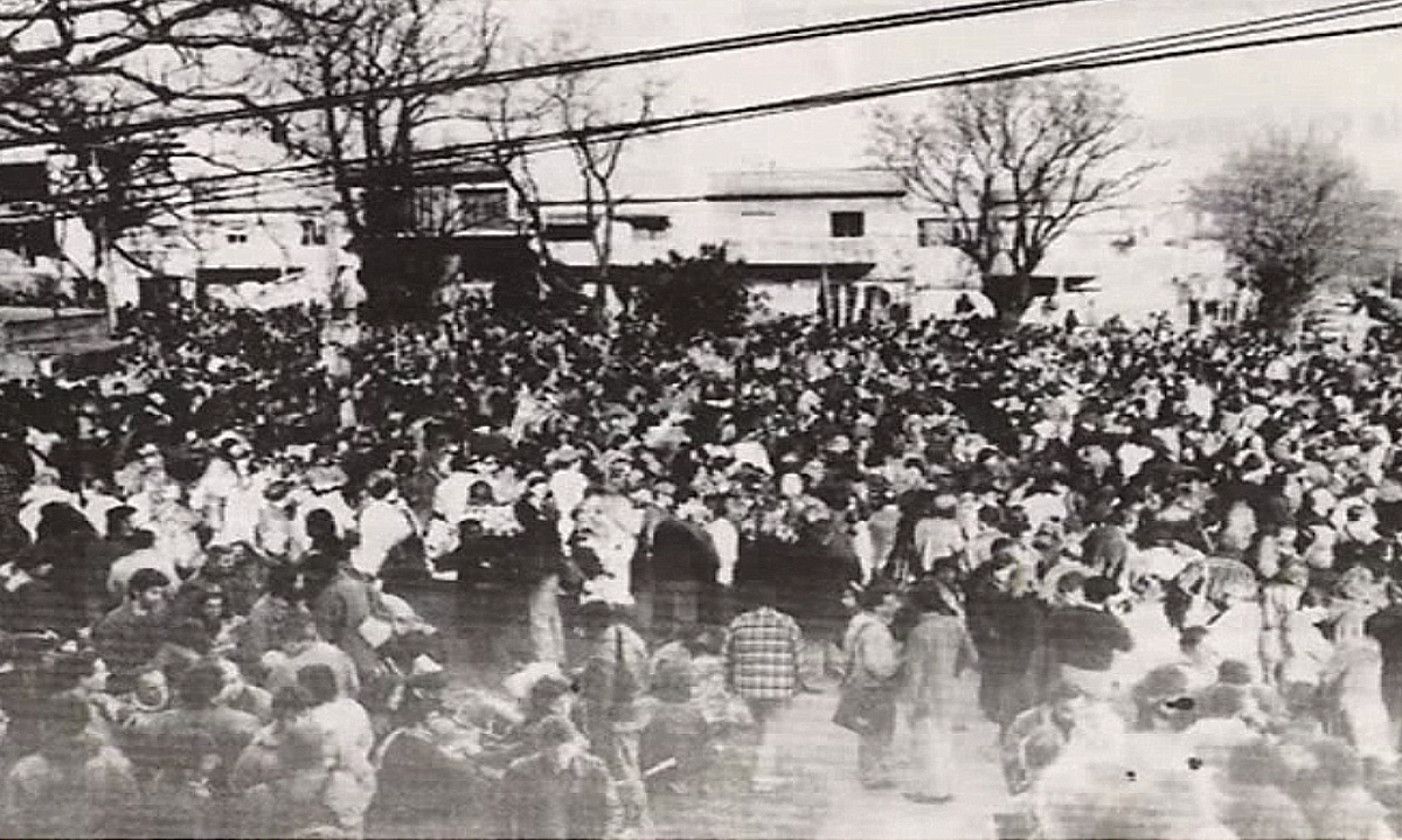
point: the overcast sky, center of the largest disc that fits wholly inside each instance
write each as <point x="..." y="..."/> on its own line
<point x="1192" y="110"/>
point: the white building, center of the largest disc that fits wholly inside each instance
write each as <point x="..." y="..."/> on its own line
<point x="856" y="236"/>
<point x="799" y="234"/>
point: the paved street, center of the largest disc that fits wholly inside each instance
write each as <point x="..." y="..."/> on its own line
<point x="825" y="800"/>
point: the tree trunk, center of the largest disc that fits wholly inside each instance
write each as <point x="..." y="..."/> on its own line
<point x="1010" y="296"/>
<point x="399" y="280"/>
<point x="1281" y="306"/>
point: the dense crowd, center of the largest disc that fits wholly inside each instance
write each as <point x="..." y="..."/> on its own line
<point x="1172" y="557"/>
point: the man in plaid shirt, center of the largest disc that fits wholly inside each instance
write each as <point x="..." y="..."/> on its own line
<point x="761" y="666"/>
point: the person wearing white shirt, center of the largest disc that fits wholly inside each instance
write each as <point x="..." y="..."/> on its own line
<point x="97" y="501"/>
<point x="383" y="524"/>
<point x="567" y="487"/>
<point x="450" y="497"/>
<point x="43" y="491"/>
<point x="325" y="494"/>
<point x="345" y="722"/>
<point x="725" y="537"/>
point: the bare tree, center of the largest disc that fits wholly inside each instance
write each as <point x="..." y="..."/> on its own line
<point x="1012" y="166"/>
<point x="584" y="102"/>
<point x="509" y="112"/>
<point x="576" y="105"/>
<point x="82" y="74"/>
<point x="371" y="145"/>
<point x="1292" y="213"/>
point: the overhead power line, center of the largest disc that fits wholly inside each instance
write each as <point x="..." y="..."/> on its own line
<point x="1209" y="40"/>
<point x="651" y="55"/>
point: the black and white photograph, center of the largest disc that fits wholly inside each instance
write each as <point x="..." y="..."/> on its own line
<point x="670" y="419"/>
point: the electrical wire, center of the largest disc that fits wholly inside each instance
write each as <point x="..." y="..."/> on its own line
<point x="651" y="55"/>
<point x="451" y="156"/>
<point x="1159" y="48"/>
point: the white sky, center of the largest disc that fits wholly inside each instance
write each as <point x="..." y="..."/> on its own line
<point x="1192" y="110"/>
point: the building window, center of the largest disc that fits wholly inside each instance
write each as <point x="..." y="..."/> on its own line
<point x="847" y="224"/>
<point x="479" y="207"/>
<point x="648" y="228"/>
<point x="236" y="237"/>
<point x="929" y="233"/>
<point x="313" y="232"/>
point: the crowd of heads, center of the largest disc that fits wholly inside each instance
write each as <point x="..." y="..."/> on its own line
<point x="1136" y="470"/>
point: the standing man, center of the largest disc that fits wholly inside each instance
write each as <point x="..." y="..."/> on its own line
<point x="540" y="556"/>
<point x="872" y="663"/>
<point x="761" y="666"/>
<point x="612" y="684"/>
<point x="683" y="565"/>
<point x="723" y="529"/>
<point x="936" y="652"/>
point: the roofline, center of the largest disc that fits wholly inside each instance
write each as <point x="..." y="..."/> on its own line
<point x="276" y="208"/>
<point x="801" y="196"/>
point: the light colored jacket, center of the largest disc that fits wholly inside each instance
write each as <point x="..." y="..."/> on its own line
<point x="872" y="656"/>
<point x="936" y="652"/>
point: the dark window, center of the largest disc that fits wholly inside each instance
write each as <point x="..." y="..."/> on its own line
<point x="313" y="232"/>
<point x="848" y="224"/>
<point x="929" y="233"/>
<point x="482" y="207"/>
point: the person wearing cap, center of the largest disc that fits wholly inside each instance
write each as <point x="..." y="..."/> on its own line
<point x="561" y="791"/>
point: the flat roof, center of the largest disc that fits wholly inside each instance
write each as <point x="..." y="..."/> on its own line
<point x="804" y="183"/>
<point x="15" y="314"/>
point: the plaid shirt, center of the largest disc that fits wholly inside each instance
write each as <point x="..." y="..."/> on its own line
<point x="761" y="655"/>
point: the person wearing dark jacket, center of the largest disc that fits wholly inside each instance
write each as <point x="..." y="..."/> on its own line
<point x="1082" y="636"/>
<point x="538" y="550"/>
<point x="129" y="636"/>
<point x="1007" y="626"/>
<point x="561" y="791"/>
<point x="683" y="563"/>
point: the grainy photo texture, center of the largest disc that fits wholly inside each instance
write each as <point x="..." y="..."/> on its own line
<point x="645" y="419"/>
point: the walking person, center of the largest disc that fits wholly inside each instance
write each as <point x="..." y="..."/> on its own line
<point x="936" y="653"/>
<point x="868" y="702"/>
<point x="761" y="666"/>
<point x="612" y="685"/>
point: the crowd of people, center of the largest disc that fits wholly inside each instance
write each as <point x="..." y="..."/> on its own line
<point x="1172" y="559"/>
